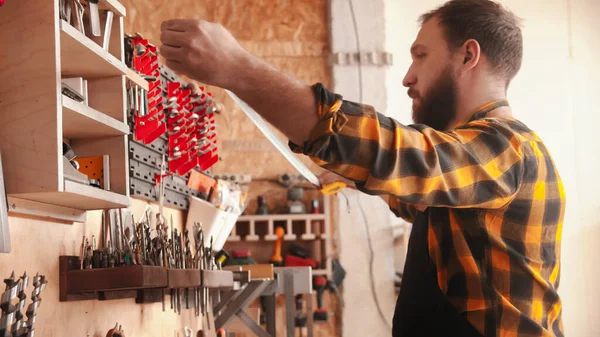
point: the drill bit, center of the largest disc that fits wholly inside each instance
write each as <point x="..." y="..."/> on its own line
<point x="82" y="253"/>
<point x="187" y="265"/>
<point x="39" y="284"/>
<point x="19" y="324"/>
<point x="8" y="310"/>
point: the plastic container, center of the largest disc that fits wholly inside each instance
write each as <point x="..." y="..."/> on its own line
<point x="216" y="223"/>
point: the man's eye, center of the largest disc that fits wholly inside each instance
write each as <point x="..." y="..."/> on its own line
<point x="420" y="56"/>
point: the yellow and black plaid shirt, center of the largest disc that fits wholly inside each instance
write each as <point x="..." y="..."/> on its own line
<point x="497" y="255"/>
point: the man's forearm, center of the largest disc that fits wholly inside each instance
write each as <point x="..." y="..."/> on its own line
<point x="283" y="101"/>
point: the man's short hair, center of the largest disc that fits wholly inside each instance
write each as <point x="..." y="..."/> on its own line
<point x="495" y="28"/>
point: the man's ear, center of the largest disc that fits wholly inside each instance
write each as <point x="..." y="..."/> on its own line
<point x="470" y="52"/>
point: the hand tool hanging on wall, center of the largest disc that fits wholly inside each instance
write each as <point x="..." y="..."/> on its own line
<point x="8" y="309"/>
<point x="117" y="331"/>
<point x="199" y="264"/>
<point x="276" y="258"/>
<point x="19" y="327"/>
<point x="143" y="58"/>
<point x="319" y="284"/>
<point x="12" y="322"/>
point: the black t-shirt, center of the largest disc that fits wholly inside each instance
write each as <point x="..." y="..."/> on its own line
<point x="422" y="309"/>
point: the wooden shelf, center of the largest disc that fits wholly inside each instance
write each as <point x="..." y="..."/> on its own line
<point x="106" y="283"/>
<point x="82" y="57"/>
<point x="319" y="272"/>
<point x="79" y="196"/>
<point x="114" y="6"/>
<point x="44" y="51"/>
<point x="94" y="198"/>
<point x="76" y="281"/>
<point x="183" y="278"/>
<point x="137" y="79"/>
<point x="283" y="217"/>
<point x="81" y="121"/>
<point x="217" y="279"/>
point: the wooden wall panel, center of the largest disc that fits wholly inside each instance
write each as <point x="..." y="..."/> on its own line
<point x="292" y="35"/>
<point x="37" y="245"/>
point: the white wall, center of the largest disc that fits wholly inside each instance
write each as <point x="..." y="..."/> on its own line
<point x="555" y="95"/>
<point x="360" y="314"/>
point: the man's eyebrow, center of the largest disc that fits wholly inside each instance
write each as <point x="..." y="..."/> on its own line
<point x="415" y="47"/>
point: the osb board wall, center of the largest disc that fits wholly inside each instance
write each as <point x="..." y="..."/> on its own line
<point x="290" y="34"/>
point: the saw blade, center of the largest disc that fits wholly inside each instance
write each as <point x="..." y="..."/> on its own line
<point x="276" y="141"/>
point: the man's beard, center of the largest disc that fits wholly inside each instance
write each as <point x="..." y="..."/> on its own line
<point x="437" y="108"/>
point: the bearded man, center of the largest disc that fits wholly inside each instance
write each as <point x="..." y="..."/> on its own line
<point x="483" y="194"/>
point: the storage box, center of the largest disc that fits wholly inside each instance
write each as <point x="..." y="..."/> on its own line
<point x="216" y="223"/>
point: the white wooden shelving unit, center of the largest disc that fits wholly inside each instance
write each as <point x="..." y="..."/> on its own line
<point x="37" y="50"/>
<point x="316" y="230"/>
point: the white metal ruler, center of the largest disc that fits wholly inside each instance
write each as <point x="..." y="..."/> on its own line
<point x="276" y="141"/>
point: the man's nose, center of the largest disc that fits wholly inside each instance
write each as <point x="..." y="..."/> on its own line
<point x="409" y="79"/>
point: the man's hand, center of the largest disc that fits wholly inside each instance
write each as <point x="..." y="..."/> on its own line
<point x="208" y="53"/>
<point x="328" y="177"/>
<point x="203" y="51"/>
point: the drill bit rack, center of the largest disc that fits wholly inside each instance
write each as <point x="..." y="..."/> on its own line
<point x="77" y="284"/>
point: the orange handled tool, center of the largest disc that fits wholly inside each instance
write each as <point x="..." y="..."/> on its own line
<point x="277" y="259"/>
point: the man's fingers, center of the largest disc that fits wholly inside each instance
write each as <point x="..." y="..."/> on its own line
<point x="172" y="38"/>
<point x="174" y="65"/>
<point x="178" y="25"/>
<point x="171" y="53"/>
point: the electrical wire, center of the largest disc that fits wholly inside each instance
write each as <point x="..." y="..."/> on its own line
<point x="356" y="38"/>
<point x="371" y="262"/>
<point x="370" y="244"/>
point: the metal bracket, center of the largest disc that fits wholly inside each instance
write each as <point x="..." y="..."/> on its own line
<point x="375" y="58"/>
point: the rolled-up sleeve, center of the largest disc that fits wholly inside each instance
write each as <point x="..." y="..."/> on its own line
<point x="476" y="165"/>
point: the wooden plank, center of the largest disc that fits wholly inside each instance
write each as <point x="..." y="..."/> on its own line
<point x="240" y="329"/>
<point x="113" y="5"/>
<point x="45" y="211"/>
<point x="96" y="196"/>
<point x="116" y="149"/>
<point x="260" y="271"/>
<point x="183" y="278"/>
<point x="149" y="296"/>
<point x="117" y="44"/>
<point x="217" y="279"/>
<point x="79" y="197"/>
<point x="29" y="96"/>
<point x="137" y="79"/>
<point x="80" y="56"/>
<point x="81" y="121"/>
<point x="283" y="217"/>
<point x="107" y="95"/>
<point x="112" y="279"/>
<point x="116" y="295"/>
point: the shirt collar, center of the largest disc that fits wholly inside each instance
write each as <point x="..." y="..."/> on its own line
<point x="487" y="108"/>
